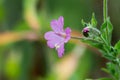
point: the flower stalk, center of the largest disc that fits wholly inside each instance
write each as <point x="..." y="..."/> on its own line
<point x="105" y="9"/>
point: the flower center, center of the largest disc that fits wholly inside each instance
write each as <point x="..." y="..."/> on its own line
<point x="63" y="35"/>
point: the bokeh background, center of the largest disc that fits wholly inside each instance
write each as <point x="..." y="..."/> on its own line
<point x="24" y="54"/>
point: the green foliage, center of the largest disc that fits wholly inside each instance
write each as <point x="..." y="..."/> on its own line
<point x="93" y="21"/>
<point x="94" y="34"/>
<point x="102" y="41"/>
<point x="69" y="47"/>
<point x="110" y="26"/>
<point x="93" y="42"/>
<point x="110" y="29"/>
<point x="103" y="30"/>
<point x="106" y="30"/>
<point x="111" y="68"/>
<point x="84" y="23"/>
<point x="117" y="46"/>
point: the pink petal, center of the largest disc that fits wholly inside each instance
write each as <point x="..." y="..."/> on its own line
<point x="52" y="36"/>
<point x="68" y="30"/>
<point x="48" y="35"/>
<point x="51" y="44"/>
<point x="53" y="39"/>
<point x="68" y="34"/>
<point x="57" y="25"/>
<point x="61" y="21"/>
<point x="60" y="50"/>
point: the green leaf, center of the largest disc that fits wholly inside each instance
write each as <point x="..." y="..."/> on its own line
<point x="117" y="46"/>
<point x="103" y="30"/>
<point x="83" y="23"/>
<point x="103" y="27"/>
<point x="111" y="67"/>
<point x="105" y="70"/>
<point x="93" y="43"/>
<point x="106" y="30"/>
<point x="109" y="25"/>
<point x="110" y="29"/>
<point x="93" y="20"/>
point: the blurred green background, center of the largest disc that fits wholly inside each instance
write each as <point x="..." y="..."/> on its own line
<point x="24" y="54"/>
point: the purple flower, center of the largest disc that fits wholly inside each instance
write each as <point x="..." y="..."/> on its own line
<point x="58" y="37"/>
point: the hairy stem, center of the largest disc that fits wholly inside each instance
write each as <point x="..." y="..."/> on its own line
<point x="105" y="9"/>
<point x="105" y="16"/>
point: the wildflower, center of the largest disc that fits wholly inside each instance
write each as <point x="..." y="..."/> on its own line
<point x="58" y="37"/>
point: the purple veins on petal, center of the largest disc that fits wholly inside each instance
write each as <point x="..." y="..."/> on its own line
<point x="51" y="44"/>
<point x="61" y="22"/>
<point x="68" y="36"/>
<point x="60" y="50"/>
<point x="52" y="36"/>
<point x="67" y="30"/>
<point x="57" y="25"/>
<point x="53" y="39"/>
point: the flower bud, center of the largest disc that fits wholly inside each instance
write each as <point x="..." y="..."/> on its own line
<point x="86" y="31"/>
<point x="91" y="32"/>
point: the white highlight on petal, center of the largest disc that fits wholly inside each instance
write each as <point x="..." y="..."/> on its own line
<point x="57" y="46"/>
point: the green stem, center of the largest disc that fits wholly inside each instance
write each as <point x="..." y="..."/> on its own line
<point x="105" y="15"/>
<point x="104" y="41"/>
<point x="105" y="10"/>
<point x="76" y="37"/>
<point x="116" y="60"/>
<point x="85" y="39"/>
<point x="118" y="71"/>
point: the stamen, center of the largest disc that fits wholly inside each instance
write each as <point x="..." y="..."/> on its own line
<point x="57" y="46"/>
